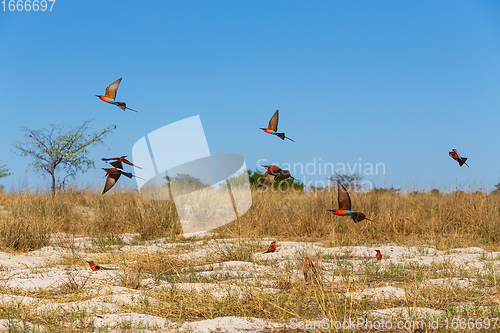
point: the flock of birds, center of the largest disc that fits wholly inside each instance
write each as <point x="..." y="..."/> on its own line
<point x="272" y="171"/>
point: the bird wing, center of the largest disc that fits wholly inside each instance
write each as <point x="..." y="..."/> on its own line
<point x="110" y="182"/>
<point x="111" y="89"/>
<point x="273" y="123"/>
<point x="117" y="164"/>
<point x="110" y="159"/>
<point x="344" y="199"/>
<point x="285" y="174"/>
<point x="267" y="179"/>
<point x="457" y="154"/>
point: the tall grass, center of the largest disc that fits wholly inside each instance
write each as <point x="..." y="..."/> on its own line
<point x="403" y="218"/>
<point x="27" y="220"/>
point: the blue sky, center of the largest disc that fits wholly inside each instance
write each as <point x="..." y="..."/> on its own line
<point x="393" y="82"/>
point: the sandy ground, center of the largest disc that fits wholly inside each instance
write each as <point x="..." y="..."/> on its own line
<point x="108" y="302"/>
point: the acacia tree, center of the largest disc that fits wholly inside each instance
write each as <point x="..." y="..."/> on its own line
<point x="349" y="181"/>
<point x="56" y="148"/>
<point x="4" y="172"/>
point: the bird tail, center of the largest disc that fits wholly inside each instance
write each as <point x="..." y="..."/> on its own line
<point x="462" y="162"/>
<point x="128" y="174"/>
<point x="283" y="137"/>
<point x="358" y="217"/>
<point x="124" y="107"/>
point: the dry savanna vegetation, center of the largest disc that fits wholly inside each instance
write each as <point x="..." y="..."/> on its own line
<point x="440" y="263"/>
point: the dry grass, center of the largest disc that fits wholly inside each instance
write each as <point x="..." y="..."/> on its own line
<point x="452" y="218"/>
<point x="441" y="221"/>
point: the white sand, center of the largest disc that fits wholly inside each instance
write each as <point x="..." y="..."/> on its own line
<point x="109" y="304"/>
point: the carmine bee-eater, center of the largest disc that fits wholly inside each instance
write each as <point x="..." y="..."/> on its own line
<point x="345" y="205"/>
<point x="96" y="267"/>
<point x="379" y="255"/>
<point x="272" y="171"/>
<point x="111" y="95"/>
<point x="272" y="128"/>
<point x="118" y="162"/>
<point x="271" y="248"/>
<point x="456" y="156"/>
<point x="112" y="177"/>
<point x="309" y="269"/>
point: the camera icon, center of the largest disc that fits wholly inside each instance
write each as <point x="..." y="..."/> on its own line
<point x="209" y="190"/>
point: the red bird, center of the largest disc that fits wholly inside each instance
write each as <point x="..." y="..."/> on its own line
<point x="456" y="156"/>
<point x="345" y="205"/>
<point x="118" y="162"/>
<point x="112" y="177"/>
<point x="309" y="267"/>
<point x="309" y="263"/>
<point x="95" y="267"/>
<point x="111" y="95"/>
<point x="271" y="247"/>
<point x="272" y="171"/>
<point x="379" y="255"/>
<point x="272" y="128"/>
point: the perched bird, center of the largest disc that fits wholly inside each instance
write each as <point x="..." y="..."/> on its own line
<point x="111" y="95"/>
<point x="95" y="267"/>
<point x="309" y="263"/>
<point x="309" y="269"/>
<point x="456" y="156"/>
<point x="345" y="205"/>
<point x="379" y="255"/>
<point x="272" y="128"/>
<point x="272" y="171"/>
<point x="271" y="247"/>
<point x="118" y="162"/>
<point x="112" y="177"/>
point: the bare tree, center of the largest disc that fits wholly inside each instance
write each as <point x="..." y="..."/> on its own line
<point x="351" y="182"/>
<point x="56" y="148"/>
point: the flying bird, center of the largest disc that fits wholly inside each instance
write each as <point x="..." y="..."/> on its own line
<point x="379" y="255"/>
<point x="345" y="205"/>
<point x="96" y="267"/>
<point x="272" y="128"/>
<point x="271" y="247"/>
<point x="111" y="95"/>
<point x="118" y="162"/>
<point x="112" y="177"/>
<point x="456" y="156"/>
<point x="272" y="171"/>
